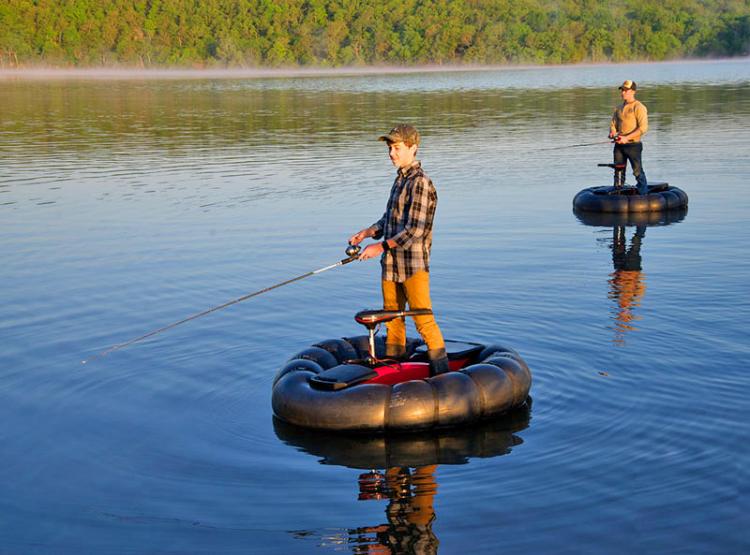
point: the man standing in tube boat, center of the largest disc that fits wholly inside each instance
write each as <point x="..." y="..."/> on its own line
<point x="629" y="123"/>
<point x="406" y="232"/>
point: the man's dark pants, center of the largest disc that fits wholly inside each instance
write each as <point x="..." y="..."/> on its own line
<point x="631" y="152"/>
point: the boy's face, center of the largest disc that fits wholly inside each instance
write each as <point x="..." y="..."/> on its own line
<point x="401" y="155"/>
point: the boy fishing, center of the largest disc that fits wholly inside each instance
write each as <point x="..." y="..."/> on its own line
<point x="406" y="230"/>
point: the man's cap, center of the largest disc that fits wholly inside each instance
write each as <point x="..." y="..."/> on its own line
<point x="628" y="85"/>
<point x="402" y="133"/>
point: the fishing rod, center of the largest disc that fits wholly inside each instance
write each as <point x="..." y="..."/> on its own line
<point x="575" y="146"/>
<point x="352" y="252"/>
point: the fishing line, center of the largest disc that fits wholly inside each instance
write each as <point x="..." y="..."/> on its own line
<point x="352" y="251"/>
<point x="572" y="146"/>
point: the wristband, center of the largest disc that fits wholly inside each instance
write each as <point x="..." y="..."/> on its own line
<point x="386" y="246"/>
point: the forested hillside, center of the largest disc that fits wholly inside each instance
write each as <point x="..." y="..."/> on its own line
<point x="247" y="33"/>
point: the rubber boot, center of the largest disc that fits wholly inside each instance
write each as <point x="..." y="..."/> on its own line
<point x="438" y="361"/>
<point x="642" y="183"/>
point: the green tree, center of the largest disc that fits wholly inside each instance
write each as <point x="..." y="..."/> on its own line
<point x="340" y="32"/>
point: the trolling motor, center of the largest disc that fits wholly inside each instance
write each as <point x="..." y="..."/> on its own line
<point x="619" y="169"/>
<point x="361" y="370"/>
<point x="371" y="319"/>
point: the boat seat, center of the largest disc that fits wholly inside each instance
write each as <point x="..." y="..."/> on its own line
<point x="371" y="318"/>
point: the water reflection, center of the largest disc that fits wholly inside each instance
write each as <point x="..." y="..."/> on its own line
<point x="402" y="471"/>
<point x="78" y="121"/>
<point x="410" y="511"/>
<point x="229" y="144"/>
<point x="627" y="283"/>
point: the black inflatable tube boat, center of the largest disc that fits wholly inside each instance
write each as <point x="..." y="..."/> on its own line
<point x="660" y="197"/>
<point x="334" y="386"/>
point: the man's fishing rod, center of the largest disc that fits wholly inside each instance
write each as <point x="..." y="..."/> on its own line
<point x="352" y="252"/>
<point x="575" y="146"/>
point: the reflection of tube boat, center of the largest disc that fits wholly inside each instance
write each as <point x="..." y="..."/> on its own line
<point x="611" y="219"/>
<point x="401" y="470"/>
<point x="347" y="385"/>
<point x="490" y="438"/>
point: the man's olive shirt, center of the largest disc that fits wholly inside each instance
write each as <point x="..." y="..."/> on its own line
<point x="628" y="118"/>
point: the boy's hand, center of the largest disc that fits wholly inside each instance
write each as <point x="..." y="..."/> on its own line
<point x="371" y="251"/>
<point x="358" y="237"/>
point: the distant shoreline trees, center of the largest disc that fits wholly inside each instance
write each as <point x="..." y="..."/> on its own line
<point x="331" y="33"/>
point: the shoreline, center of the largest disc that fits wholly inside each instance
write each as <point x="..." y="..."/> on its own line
<point x="132" y="73"/>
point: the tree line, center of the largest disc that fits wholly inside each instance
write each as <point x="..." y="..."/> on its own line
<point x="326" y="33"/>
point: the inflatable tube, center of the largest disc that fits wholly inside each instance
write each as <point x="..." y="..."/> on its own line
<point x="610" y="219"/>
<point x="327" y="387"/>
<point x="490" y="438"/>
<point x="660" y="197"/>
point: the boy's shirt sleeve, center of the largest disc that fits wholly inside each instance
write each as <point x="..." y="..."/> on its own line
<point x="379" y="227"/>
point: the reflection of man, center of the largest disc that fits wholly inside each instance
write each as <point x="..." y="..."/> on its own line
<point x="410" y="510"/>
<point x="629" y="123"/>
<point x="626" y="282"/>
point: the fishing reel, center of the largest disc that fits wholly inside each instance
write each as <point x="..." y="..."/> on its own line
<point x="353" y="250"/>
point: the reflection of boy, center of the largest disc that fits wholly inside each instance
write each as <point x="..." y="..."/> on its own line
<point x="410" y="510"/>
<point x="629" y="123"/>
<point x="406" y="227"/>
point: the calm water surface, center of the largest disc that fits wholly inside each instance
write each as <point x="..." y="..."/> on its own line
<point x="126" y="205"/>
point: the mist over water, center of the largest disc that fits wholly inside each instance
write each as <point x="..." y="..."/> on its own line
<point x="127" y="204"/>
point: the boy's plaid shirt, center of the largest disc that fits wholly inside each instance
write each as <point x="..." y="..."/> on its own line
<point x="408" y="223"/>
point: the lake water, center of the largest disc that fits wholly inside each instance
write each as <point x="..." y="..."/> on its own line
<point x="129" y="204"/>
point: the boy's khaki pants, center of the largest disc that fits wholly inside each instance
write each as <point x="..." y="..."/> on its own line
<point x="416" y="292"/>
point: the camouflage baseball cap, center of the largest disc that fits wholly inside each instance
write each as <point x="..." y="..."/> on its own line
<point x="402" y="133"/>
<point x="628" y="85"/>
